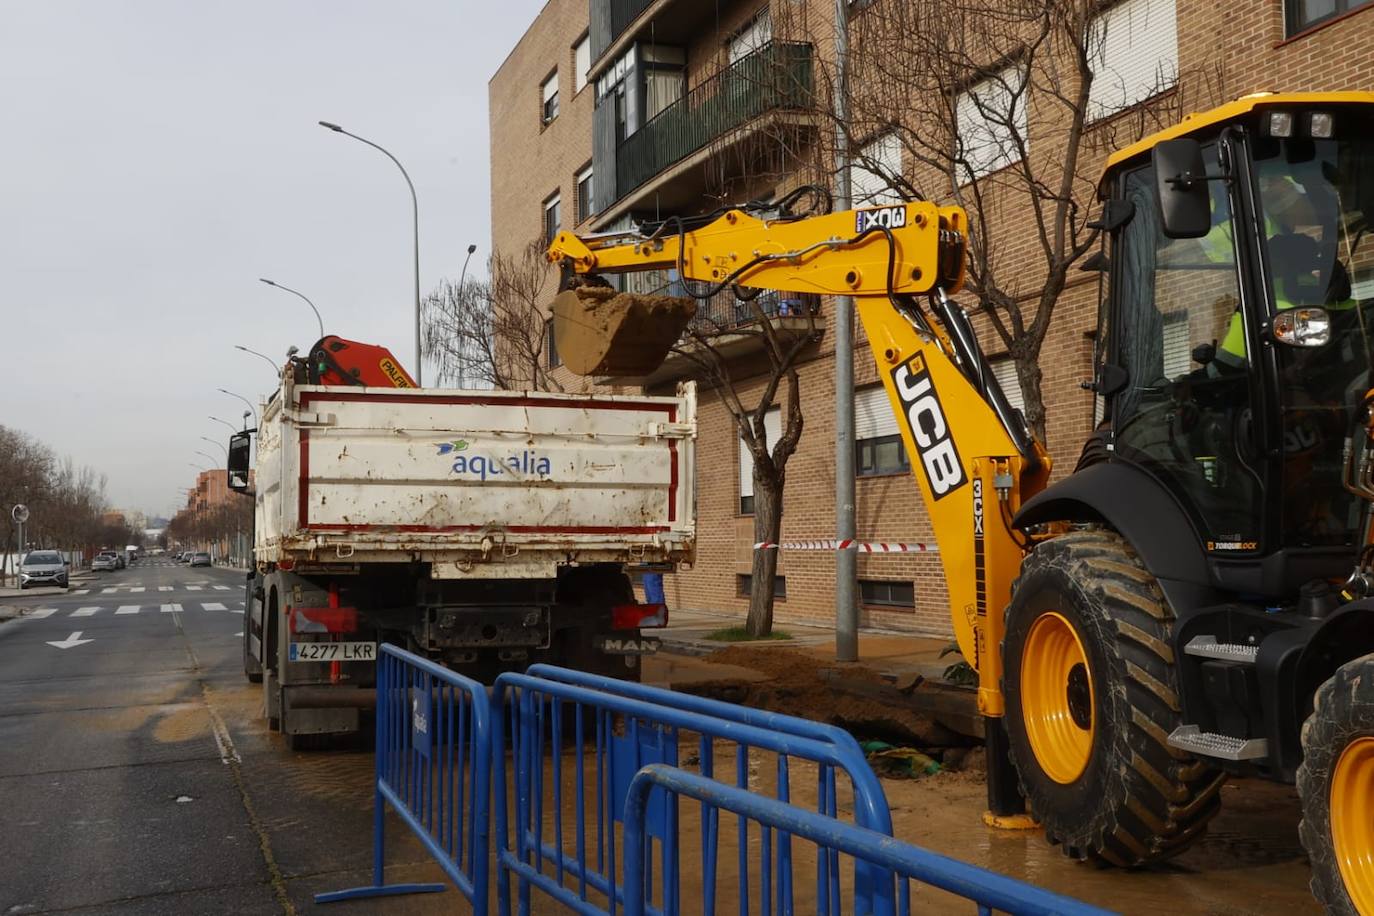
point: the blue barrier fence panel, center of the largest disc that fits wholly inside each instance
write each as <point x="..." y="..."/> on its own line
<point x="612" y="733"/>
<point x="989" y="890"/>
<point x="865" y="780"/>
<point x="433" y="767"/>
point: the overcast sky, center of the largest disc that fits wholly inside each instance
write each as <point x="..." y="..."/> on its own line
<point x="158" y="156"/>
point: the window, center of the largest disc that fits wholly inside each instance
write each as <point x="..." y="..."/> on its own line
<point x="1134" y="51"/>
<point x="989" y="116"/>
<point x="582" y="62"/>
<point x="772" y="432"/>
<point x="550" y="94"/>
<point x="753" y="36"/>
<point x="551" y="218"/>
<point x="745" y="586"/>
<point x="1004" y="368"/>
<point x="551" y="357"/>
<point x="870" y="177"/>
<point x="878" y="447"/>
<point x="1303" y="14"/>
<point x="584" y="194"/>
<point x="879" y="593"/>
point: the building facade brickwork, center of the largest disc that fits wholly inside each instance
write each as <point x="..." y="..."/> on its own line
<point x="1223" y="51"/>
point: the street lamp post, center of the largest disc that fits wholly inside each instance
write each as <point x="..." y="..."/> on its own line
<point x="220" y="444"/>
<point x="415" y="224"/>
<point x="251" y="408"/>
<point x="270" y="362"/>
<point x="213" y="460"/>
<point x="296" y="293"/>
<point x="231" y="426"/>
<point x="462" y="344"/>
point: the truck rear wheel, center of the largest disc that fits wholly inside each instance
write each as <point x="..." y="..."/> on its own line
<point x="1092" y="696"/>
<point x="1336" y="784"/>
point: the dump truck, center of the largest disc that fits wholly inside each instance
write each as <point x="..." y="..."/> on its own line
<point x="1196" y="599"/>
<point x="486" y="530"/>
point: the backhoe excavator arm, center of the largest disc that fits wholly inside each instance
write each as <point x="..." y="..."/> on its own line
<point x="973" y="458"/>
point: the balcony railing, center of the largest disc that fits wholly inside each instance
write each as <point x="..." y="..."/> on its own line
<point x="778" y="76"/>
<point x="724" y="312"/>
<point x="610" y="19"/>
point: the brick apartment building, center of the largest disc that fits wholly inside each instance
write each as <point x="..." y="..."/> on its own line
<point x="610" y="111"/>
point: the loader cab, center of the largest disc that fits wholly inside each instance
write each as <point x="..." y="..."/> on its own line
<point x="1239" y="328"/>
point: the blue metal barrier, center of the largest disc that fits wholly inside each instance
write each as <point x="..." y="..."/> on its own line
<point x="434" y="768"/>
<point x="988" y="889"/>
<point x="631" y="726"/>
<point x="864" y="779"/>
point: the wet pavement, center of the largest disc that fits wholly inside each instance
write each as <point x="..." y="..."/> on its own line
<point x="139" y="777"/>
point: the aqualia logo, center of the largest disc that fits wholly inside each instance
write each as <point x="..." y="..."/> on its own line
<point x="525" y="464"/>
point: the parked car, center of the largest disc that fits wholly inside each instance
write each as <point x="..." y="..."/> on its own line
<point x="200" y="559"/>
<point x="43" y="567"/>
<point x="106" y="561"/>
<point x="186" y="557"/>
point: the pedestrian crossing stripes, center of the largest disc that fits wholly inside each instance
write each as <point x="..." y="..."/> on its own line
<point x="164" y="588"/>
<point x="130" y="609"/>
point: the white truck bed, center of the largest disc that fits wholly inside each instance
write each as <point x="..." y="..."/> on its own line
<point x="482" y="484"/>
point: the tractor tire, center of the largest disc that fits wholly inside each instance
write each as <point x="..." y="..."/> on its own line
<point x="1336" y="784"/>
<point x="1091" y="697"/>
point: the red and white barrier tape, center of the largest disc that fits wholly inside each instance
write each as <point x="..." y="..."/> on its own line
<point x="863" y="546"/>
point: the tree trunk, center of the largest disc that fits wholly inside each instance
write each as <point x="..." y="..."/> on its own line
<point x="767" y="527"/>
<point x="1032" y="394"/>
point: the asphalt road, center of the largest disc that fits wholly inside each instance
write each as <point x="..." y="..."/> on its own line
<point x="137" y="775"/>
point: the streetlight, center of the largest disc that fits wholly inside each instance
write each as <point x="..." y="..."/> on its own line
<point x="214" y="462"/>
<point x="462" y="280"/>
<point x="232" y="428"/>
<point x="220" y="444"/>
<point x="302" y="295"/>
<point x="251" y="409"/>
<point x="270" y="362"/>
<point x="415" y="221"/>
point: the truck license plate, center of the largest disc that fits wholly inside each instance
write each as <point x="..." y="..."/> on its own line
<point x="333" y="652"/>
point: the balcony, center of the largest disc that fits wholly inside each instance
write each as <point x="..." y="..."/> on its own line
<point x="733" y="330"/>
<point x="778" y="77"/>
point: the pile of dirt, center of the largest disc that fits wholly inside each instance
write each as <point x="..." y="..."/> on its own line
<point x="852" y="697"/>
<point x="599" y="331"/>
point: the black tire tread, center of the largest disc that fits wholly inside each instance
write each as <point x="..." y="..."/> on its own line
<point x="1162" y="798"/>
<point x="1342" y="708"/>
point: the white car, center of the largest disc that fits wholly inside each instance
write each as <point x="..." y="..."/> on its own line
<point x="105" y="561"/>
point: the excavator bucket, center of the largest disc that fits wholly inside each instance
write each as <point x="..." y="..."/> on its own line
<point x="599" y="331"/>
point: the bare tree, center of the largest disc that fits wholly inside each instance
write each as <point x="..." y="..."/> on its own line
<point x="494" y="333"/>
<point x="784" y="345"/>
<point x="990" y="105"/>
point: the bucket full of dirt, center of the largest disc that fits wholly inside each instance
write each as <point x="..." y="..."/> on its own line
<point x="599" y="331"/>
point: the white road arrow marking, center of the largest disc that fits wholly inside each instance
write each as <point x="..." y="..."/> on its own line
<point x="73" y="640"/>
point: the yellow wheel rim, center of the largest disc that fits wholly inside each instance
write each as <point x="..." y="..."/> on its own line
<point x="1352" y="821"/>
<point x="1057" y="698"/>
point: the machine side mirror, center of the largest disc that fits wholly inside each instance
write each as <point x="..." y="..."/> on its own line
<point x="1185" y="209"/>
<point x="240" y="445"/>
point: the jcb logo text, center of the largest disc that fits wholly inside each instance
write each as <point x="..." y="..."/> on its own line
<point x="926" y="418"/>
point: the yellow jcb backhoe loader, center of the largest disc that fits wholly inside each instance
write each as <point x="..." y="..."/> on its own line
<point x="1197" y="598"/>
